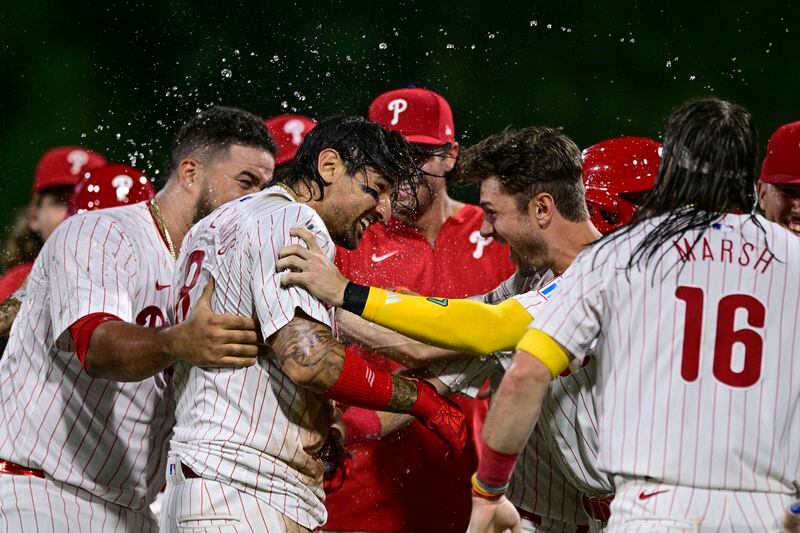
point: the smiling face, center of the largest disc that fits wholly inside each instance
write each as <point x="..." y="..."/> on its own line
<point x="506" y="222"/>
<point x="781" y="204"/>
<point x="355" y="202"/>
<point x="236" y="172"/>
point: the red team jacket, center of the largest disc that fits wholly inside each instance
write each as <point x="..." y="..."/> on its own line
<point x="12" y="280"/>
<point x="402" y="483"/>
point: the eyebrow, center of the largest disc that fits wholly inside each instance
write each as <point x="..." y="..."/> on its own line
<point x="257" y="180"/>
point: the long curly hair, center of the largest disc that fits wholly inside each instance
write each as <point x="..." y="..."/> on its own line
<point x="708" y="169"/>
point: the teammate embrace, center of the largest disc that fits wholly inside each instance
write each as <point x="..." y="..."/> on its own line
<point x="642" y="359"/>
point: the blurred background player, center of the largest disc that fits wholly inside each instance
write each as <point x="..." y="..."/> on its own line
<point x="288" y="131"/>
<point x="112" y="185"/>
<point x="56" y="175"/>
<point x="107" y="186"/>
<point x="779" y="186"/>
<point x="432" y="246"/>
<point x="680" y="381"/>
<point x="617" y="174"/>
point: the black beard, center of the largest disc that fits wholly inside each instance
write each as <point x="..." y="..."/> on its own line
<point x="202" y="209"/>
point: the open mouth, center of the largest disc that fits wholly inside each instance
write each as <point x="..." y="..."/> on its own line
<point x="794" y="225"/>
<point x="363" y="223"/>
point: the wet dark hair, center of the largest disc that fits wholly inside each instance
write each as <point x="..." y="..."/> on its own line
<point x="708" y="167"/>
<point x="218" y="128"/>
<point x="362" y="145"/>
<point x="528" y="162"/>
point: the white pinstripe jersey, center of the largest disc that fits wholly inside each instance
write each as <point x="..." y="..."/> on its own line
<point x="106" y="437"/>
<point x="699" y="354"/>
<point x="252" y="428"/>
<point x="559" y="460"/>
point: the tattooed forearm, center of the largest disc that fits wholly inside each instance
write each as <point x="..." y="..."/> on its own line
<point x="8" y="312"/>
<point x="308" y="353"/>
<point x="404" y="394"/>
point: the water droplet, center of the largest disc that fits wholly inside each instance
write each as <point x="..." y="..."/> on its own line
<point x="450" y="46"/>
<point x="236" y="52"/>
<point x="118" y="136"/>
<point x="534" y="23"/>
<point x="383" y="46"/>
<point x="491" y="36"/>
<point x="691" y="78"/>
<point x="226" y="73"/>
<point x="284" y="104"/>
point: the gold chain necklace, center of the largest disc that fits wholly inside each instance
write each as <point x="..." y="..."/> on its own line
<point x="289" y="190"/>
<point x="156" y="212"/>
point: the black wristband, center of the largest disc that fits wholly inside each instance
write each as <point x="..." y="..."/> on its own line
<point x="355" y="298"/>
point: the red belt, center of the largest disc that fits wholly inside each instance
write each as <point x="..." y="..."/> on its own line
<point x="598" y="508"/>
<point x="7" y="467"/>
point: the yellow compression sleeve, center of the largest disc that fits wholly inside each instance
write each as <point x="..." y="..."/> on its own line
<point x="464" y="325"/>
<point x="544" y="348"/>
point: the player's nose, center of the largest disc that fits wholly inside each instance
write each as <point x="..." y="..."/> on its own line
<point x="487" y="230"/>
<point x="384" y="208"/>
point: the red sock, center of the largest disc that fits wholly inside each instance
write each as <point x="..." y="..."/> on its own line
<point x="361" y="385"/>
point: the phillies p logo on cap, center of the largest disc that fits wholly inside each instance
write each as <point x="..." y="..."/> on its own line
<point x="420" y="115"/>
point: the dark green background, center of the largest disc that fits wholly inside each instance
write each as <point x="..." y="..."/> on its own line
<point x="120" y="78"/>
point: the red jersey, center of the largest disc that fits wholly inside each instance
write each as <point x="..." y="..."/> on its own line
<point x="402" y="482"/>
<point x="12" y="279"/>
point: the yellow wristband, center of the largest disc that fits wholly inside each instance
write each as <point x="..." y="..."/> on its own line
<point x="544" y="348"/>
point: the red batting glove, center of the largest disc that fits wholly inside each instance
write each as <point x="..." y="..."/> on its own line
<point x="442" y="416"/>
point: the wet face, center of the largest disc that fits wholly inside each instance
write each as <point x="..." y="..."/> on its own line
<point x="434" y="169"/>
<point x="505" y="222"/>
<point x="355" y="202"/>
<point x="781" y="204"/>
<point x="237" y="172"/>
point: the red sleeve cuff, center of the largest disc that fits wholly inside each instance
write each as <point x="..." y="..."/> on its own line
<point x="82" y="329"/>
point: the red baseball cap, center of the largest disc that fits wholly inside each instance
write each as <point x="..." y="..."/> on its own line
<point x="65" y="165"/>
<point x="288" y="132"/>
<point x="782" y="163"/>
<point x="422" y="116"/>
<point x="110" y="186"/>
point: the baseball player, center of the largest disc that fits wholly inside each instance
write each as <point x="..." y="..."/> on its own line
<point x="547" y="485"/>
<point x="288" y="131"/>
<point x="245" y="454"/>
<point x="696" y="348"/>
<point x="779" y="186"/>
<point x="426" y="246"/>
<point x="57" y="173"/>
<point x="84" y="407"/>
<point x="107" y="186"/>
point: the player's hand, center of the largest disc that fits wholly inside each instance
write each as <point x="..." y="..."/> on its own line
<point x="208" y="340"/>
<point x="493" y="516"/>
<point x="335" y="458"/>
<point x="791" y="522"/>
<point x="312" y="269"/>
<point x="442" y="416"/>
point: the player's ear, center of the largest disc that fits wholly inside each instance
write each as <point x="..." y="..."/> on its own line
<point x="542" y="207"/>
<point x="330" y="165"/>
<point x="761" y="191"/>
<point x="188" y="173"/>
<point x="452" y="156"/>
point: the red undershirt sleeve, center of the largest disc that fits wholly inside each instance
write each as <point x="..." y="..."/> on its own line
<point x="82" y="329"/>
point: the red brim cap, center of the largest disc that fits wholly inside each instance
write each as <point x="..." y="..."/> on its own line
<point x="782" y="179"/>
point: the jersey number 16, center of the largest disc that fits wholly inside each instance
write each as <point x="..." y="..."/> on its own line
<point x="725" y="339"/>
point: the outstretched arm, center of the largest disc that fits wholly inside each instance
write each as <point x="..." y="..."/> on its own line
<point x="375" y="338"/>
<point x="461" y="325"/>
<point x="512" y="416"/>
